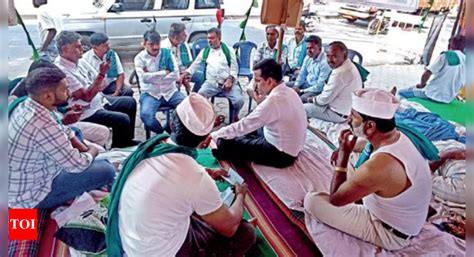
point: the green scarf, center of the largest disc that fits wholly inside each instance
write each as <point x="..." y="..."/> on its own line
<point x="302" y="53"/>
<point x="364" y="73"/>
<point x="148" y="149"/>
<point x="113" y="70"/>
<point x="12" y="106"/>
<point x="422" y="144"/>
<point x="205" y="54"/>
<point x="183" y="50"/>
<point x="283" y="47"/>
<point x="166" y="61"/>
<point x="452" y="58"/>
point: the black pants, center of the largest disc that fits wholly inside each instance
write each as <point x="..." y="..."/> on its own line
<point x="110" y="89"/>
<point x="120" y="116"/>
<point x="254" y="148"/>
<point x="202" y="240"/>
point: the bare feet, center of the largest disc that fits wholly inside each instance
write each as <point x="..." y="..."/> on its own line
<point x="253" y="221"/>
<point x="394" y="90"/>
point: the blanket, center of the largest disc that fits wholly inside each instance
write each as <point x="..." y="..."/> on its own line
<point x="455" y="111"/>
<point x="312" y="172"/>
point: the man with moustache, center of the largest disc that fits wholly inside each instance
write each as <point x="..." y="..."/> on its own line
<point x="157" y="72"/>
<point x="101" y="52"/>
<point x="334" y="103"/>
<point x="221" y="69"/>
<point x="394" y="182"/>
<point x="296" y="49"/>
<point x="86" y="85"/>
<point x="45" y="169"/>
<point x="279" y="115"/>
<point x="268" y="49"/>
<point x="314" y="72"/>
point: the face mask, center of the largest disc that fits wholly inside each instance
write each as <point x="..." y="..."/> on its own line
<point x="358" y="131"/>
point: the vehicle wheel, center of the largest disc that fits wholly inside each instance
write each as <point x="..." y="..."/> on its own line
<point x="197" y="36"/>
<point x="86" y="42"/>
<point x="351" y="20"/>
<point x="372" y="27"/>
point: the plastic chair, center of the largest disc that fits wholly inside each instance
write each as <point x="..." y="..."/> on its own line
<point x="352" y="54"/>
<point x="164" y="109"/>
<point x="244" y="49"/>
<point x="197" y="46"/>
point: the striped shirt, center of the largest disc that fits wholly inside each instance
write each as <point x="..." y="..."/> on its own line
<point x="38" y="150"/>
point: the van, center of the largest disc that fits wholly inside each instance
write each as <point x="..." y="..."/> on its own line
<point x="125" y="21"/>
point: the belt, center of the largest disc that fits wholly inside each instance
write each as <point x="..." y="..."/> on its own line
<point x="342" y="115"/>
<point x="396" y="232"/>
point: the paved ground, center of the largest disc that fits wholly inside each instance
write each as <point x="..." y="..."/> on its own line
<point x="389" y="58"/>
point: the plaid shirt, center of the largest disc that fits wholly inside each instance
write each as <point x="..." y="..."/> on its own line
<point x="38" y="150"/>
<point x="265" y="52"/>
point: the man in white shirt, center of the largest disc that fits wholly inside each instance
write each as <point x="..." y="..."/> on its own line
<point x="50" y="25"/>
<point x="447" y="73"/>
<point x="393" y="181"/>
<point x="101" y="52"/>
<point x="334" y="103"/>
<point x="157" y="72"/>
<point x="221" y="71"/>
<point x="176" y="42"/>
<point x="169" y="205"/>
<point x="268" y="49"/>
<point x="280" y="113"/>
<point x="86" y="85"/>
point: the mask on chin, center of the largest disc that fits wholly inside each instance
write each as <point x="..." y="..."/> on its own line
<point x="358" y="131"/>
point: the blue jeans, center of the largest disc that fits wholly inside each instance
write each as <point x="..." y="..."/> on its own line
<point x="149" y="105"/>
<point x="412" y="92"/>
<point x="210" y="89"/>
<point x="66" y="186"/>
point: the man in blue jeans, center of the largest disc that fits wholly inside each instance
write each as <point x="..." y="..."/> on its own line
<point x="157" y="72"/>
<point x="443" y="78"/>
<point x="45" y="169"/>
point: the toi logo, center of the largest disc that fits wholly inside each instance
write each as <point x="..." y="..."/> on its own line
<point x="23" y="224"/>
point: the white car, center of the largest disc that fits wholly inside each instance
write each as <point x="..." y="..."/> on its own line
<point x="125" y="21"/>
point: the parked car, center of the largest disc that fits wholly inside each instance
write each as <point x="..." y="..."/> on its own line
<point x="125" y="21"/>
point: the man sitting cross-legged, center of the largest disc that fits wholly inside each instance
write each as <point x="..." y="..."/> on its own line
<point x="45" y="168"/>
<point x="394" y="182"/>
<point x="165" y="204"/>
<point x="334" y="103"/>
<point x="280" y="113"/>
<point x="158" y="72"/>
<point x="444" y="78"/>
<point x="221" y="69"/>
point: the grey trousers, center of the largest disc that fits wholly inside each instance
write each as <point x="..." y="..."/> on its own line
<point x="322" y="112"/>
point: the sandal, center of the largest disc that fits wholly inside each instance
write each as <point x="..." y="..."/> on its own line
<point x="219" y="120"/>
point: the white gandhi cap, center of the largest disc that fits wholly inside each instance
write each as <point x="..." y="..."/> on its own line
<point x="197" y="114"/>
<point x="375" y="103"/>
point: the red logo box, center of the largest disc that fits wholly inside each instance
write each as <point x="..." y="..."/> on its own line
<point x="23" y="224"/>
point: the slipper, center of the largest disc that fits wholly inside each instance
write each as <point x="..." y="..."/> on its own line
<point x="219" y="120"/>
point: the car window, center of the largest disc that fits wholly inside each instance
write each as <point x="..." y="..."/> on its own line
<point x="206" y="4"/>
<point x="138" y="5"/>
<point x="175" y="4"/>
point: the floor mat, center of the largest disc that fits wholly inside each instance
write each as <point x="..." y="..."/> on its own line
<point x="455" y="111"/>
<point x="284" y="227"/>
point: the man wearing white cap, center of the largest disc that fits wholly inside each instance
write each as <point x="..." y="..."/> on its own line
<point x="164" y="203"/>
<point x="334" y="102"/>
<point x="394" y="183"/>
<point x="281" y="116"/>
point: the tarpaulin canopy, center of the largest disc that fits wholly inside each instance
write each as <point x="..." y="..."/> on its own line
<point x="398" y="5"/>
